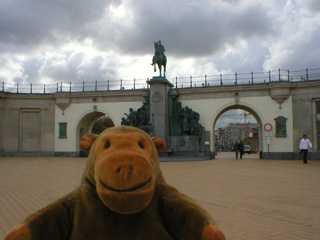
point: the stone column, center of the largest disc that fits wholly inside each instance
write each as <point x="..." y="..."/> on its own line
<point x="159" y="107"/>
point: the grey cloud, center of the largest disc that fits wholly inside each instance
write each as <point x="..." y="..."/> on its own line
<point x="246" y="61"/>
<point x="66" y="67"/>
<point x="63" y="68"/>
<point x="202" y="30"/>
<point x="312" y="5"/>
<point x="25" y="24"/>
<point x="189" y="29"/>
<point x="78" y="67"/>
<point x="31" y="68"/>
<point x="301" y="54"/>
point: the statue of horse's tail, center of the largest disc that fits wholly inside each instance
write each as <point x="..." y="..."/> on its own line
<point x="153" y="62"/>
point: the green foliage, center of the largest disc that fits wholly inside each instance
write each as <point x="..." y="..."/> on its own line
<point x="102" y="124"/>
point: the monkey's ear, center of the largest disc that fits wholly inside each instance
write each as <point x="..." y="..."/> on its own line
<point x="87" y="141"/>
<point x="160" y="144"/>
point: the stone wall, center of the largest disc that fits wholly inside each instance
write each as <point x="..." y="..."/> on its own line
<point x="304" y="114"/>
<point x="27" y="124"/>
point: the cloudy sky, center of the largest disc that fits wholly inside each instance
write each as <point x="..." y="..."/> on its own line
<point x="46" y="41"/>
<point x="234" y="116"/>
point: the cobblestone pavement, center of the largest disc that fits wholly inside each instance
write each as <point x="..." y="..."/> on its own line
<point x="249" y="198"/>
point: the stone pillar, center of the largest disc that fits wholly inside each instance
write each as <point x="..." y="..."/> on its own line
<point x="159" y="107"/>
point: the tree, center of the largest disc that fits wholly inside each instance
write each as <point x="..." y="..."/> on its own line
<point x="101" y="124"/>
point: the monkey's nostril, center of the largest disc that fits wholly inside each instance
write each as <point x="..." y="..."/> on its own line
<point x="125" y="170"/>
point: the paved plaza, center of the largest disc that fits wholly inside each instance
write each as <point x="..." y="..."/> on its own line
<point x="249" y="198"/>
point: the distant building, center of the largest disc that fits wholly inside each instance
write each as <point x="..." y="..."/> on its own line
<point x="236" y="131"/>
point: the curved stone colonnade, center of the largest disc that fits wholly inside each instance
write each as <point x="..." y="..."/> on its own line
<point x="52" y="124"/>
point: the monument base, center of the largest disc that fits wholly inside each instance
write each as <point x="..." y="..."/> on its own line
<point x="159" y="79"/>
<point x="159" y="88"/>
<point x="186" y="146"/>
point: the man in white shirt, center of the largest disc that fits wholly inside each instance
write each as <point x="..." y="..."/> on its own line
<point x="305" y="144"/>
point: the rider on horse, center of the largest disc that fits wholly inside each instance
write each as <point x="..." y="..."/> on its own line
<point x="161" y="48"/>
<point x="159" y="57"/>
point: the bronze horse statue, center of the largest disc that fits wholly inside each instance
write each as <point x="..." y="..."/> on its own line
<point x="159" y="57"/>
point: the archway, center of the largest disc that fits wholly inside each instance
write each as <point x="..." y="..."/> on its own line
<point x="248" y="111"/>
<point x="87" y="123"/>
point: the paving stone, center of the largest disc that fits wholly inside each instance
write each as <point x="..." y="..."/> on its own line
<point x="249" y="198"/>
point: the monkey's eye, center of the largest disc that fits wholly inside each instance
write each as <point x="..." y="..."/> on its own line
<point x="141" y="145"/>
<point x="107" y="145"/>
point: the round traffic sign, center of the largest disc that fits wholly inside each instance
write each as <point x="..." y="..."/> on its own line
<point x="267" y="127"/>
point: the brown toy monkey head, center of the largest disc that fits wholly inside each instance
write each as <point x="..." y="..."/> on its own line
<point x="124" y="165"/>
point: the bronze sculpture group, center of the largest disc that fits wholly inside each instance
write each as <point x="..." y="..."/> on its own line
<point x="182" y="121"/>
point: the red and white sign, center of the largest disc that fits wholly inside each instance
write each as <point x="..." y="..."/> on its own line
<point x="267" y="127"/>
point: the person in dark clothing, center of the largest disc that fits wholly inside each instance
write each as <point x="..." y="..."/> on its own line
<point x="241" y="148"/>
<point x="235" y="148"/>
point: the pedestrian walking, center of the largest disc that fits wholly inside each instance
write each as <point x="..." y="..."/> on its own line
<point x="241" y="148"/>
<point x="304" y="146"/>
<point x="236" y="149"/>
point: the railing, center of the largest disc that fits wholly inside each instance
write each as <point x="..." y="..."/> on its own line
<point x="247" y="78"/>
<point x="184" y="82"/>
<point x="108" y="85"/>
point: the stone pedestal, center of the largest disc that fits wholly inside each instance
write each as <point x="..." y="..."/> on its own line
<point x="184" y="144"/>
<point x="159" y="107"/>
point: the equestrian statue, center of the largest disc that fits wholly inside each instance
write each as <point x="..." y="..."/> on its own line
<point x="159" y="57"/>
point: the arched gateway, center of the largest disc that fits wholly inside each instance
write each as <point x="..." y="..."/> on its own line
<point x="86" y="122"/>
<point x="252" y="111"/>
